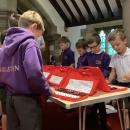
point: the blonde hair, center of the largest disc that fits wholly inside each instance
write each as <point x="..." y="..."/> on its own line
<point x="117" y="32"/>
<point x="29" y="17"/>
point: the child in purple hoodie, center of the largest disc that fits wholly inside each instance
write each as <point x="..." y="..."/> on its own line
<point x="20" y="72"/>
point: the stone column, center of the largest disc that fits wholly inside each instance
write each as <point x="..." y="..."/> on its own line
<point x="126" y="18"/>
<point x="6" y="8"/>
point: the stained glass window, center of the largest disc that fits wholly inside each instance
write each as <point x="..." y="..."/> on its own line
<point x="105" y="45"/>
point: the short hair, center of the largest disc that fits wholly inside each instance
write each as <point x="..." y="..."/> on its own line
<point x="13" y="20"/>
<point x="94" y="37"/>
<point x="117" y="32"/>
<point x="30" y="17"/>
<point x="2" y="36"/>
<point x="81" y="43"/>
<point x="65" y="40"/>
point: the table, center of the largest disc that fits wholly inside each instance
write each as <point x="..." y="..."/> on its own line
<point x="96" y="98"/>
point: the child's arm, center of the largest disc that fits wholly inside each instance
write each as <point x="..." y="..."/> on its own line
<point x="127" y="77"/>
<point x="112" y="75"/>
<point x="35" y="78"/>
<point x="105" y="65"/>
<point x="71" y="59"/>
<point x="72" y="65"/>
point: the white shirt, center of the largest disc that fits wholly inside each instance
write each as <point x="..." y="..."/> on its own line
<point x="121" y="63"/>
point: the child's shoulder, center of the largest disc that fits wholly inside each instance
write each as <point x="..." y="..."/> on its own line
<point x="69" y="50"/>
<point x="30" y="42"/>
<point x="104" y="54"/>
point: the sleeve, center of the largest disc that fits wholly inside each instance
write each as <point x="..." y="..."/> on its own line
<point x="71" y="58"/>
<point x="105" y="65"/>
<point x="112" y="63"/>
<point x="78" y="63"/>
<point x="35" y="77"/>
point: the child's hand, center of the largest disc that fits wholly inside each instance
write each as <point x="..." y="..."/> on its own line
<point x="126" y="77"/>
<point x="52" y="90"/>
<point x="107" y="81"/>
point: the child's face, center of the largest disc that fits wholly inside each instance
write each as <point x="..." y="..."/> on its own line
<point x="81" y="51"/>
<point x="119" y="45"/>
<point x="94" y="47"/>
<point x="63" y="45"/>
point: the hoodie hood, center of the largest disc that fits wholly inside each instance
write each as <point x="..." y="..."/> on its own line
<point x="14" y="38"/>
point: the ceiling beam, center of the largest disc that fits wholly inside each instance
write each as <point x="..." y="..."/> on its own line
<point x="82" y="18"/>
<point x="60" y="12"/>
<point x="99" y="21"/>
<point x="119" y="7"/>
<point x="100" y="15"/>
<point x="88" y="10"/>
<point x="74" y="20"/>
<point x="119" y="4"/>
<point x="110" y="13"/>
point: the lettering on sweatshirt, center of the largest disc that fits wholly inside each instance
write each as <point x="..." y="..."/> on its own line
<point x="14" y="68"/>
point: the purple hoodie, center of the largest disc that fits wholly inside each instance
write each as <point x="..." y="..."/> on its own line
<point x="20" y="64"/>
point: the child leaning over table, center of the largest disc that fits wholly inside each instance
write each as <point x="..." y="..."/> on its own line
<point x="120" y="65"/>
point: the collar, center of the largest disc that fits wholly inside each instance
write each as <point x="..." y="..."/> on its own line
<point x="99" y="52"/>
<point x="66" y="49"/>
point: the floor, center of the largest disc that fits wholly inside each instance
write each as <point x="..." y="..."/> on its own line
<point x="56" y="118"/>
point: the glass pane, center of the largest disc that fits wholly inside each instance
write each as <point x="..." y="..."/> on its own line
<point x="104" y="45"/>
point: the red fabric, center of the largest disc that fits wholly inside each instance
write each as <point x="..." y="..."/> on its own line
<point x="60" y="72"/>
<point x="85" y="74"/>
<point x="79" y="74"/>
<point x="103" y="85"/>
<point x="49" y="69"/>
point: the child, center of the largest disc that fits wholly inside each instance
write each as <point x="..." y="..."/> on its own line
<point x="67" y="55"/>
<point x="81" y="47"/>
<point x="120" y="63"/>
<point x="98" y="58"/>
<point x="20" y="71"/>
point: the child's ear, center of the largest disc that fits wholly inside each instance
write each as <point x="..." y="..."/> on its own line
<point x="34" y="26"/>
<point x="125" y="41"/>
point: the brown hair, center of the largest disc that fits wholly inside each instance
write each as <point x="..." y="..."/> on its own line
<point x="13" y="20"/>
<point x="117" y="32"/>
<point x="81" y="43"/>
<point x="29" y="17"/>
<point x="65" y="40"/>
<point x="93" y="38"/>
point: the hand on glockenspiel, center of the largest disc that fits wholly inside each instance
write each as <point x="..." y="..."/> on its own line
<point x="52" y="90"/>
